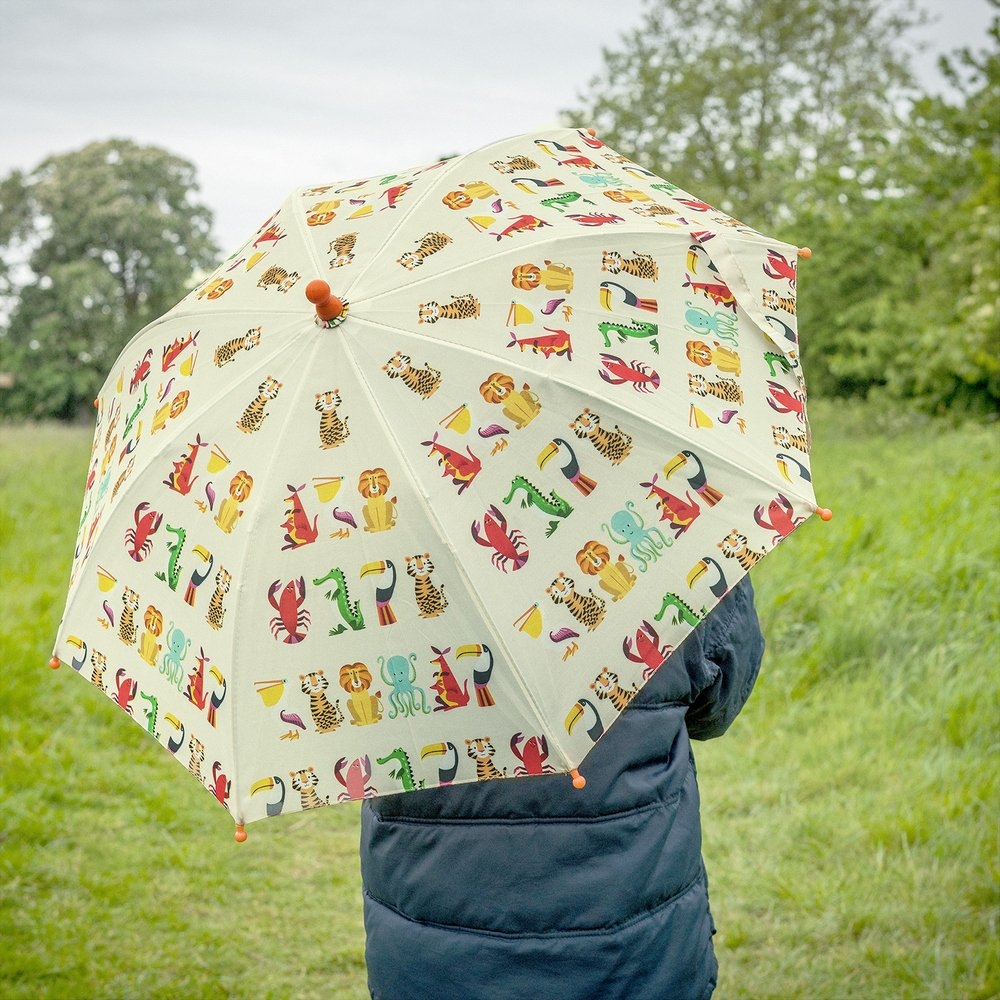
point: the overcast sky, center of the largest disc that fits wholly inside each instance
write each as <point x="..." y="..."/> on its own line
<point x="264" y="96"/>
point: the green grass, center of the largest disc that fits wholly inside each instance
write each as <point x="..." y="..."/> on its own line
<point x="850" y="815"/>
<point x="118" y="877"/>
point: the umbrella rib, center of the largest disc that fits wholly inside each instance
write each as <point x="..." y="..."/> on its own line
<point x="750" y="305"/>
<point x="411" y="206"/>
<point x="470" y="589"/>
<point x="759" y="471"/>
<point x="579" y="238"/>
<point x="686" y="235"/>
<point x="254" y="515"/>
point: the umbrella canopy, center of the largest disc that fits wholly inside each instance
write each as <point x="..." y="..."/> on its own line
<point x="427" y="479"/>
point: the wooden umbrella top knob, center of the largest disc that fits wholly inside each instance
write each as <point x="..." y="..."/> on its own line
<point x="328" y="306"/>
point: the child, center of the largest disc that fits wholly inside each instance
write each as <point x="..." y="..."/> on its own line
<point x="531" y="888"/>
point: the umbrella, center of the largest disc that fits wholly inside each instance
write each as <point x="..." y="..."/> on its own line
<point x="426" y="479"/>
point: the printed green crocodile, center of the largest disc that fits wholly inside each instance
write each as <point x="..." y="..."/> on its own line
<point x="682" y="611"/>
<point x="86" y="510"/>
<point x="351" y="613"/>
<point x="404" y="773"/>
<point x="133" y="416"/>
<point x="780" y="360"/>
<point x="636" y="330"/>
<point x="552" y="504"/>
<point x="562" y="201"/>
<point x="173" y="574"/>
<point x="150" y="713"/>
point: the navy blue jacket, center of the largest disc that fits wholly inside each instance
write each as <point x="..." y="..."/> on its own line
<point x="530" y="889"/>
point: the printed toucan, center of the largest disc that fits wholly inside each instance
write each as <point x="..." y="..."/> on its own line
<point x="267" y="784"/>
<point x="577" y="712"/>
<point x="571" y="470"/>
<point x="719" y="587"/>
<point x="480" y="677"/>
<point x="696" y="479"/>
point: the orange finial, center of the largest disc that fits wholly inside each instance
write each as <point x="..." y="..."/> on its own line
<point x="241" y="833"/>
<point x="579" y="781"/>
<point x="55" y="663"/>
<point x="327" y="306"/>
<point x="825" y="514"/>
<point x="805" y="253"/>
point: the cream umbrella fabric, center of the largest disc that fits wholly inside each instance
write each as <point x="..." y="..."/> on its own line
<point x="555" y="410"/>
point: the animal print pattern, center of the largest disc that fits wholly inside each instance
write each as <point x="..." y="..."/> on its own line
<point x="613" y="445"/>
<point x="651" y="211"/>
<point x="514" y="164"/>
<point x="227" y="352"/>
<point x="326" y="715"/>
<point x="423" y="381"/>
<point x="196" y="749"/>
<point x="216" y="612"/>
<point x="461" y="307"/>
<point x="726" y="389"/>
<point x="99" y="662"/>
<point x="736" y="546"/>
<point x="304" y="782"/>
<point x="588" y="609"/>
<point x="772" y="300"/>
<point x="641" y="265"/>
<point x="332" y="430"/>
<point x="342" y="250"/>
<point x="784" y="438"/>
<point x="278" y="277"/>
<point x="126" y="624"/>
<point x="431" y="600"/>
<point x="426" y="246"/>
<point x="254" y="415"/>
<point x="481" y="750"/>
<point x="607" y="687"/>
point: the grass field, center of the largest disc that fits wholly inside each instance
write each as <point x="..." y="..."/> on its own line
<point x="851" y="814"/>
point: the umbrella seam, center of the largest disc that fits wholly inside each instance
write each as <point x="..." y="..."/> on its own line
<point x="628" y="415"/>
<point x="253" y="517"/>
<point x="470" y="590"/>
<point x="447" y="167"/>
<point x="754" y="314"/>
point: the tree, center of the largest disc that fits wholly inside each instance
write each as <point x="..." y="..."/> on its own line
<point x="803" y="120"/>
<point x="95" y="243"/>
<point x="954" y="146"/>
<point x="905" y="303"/>
<point x="755" y="105"/>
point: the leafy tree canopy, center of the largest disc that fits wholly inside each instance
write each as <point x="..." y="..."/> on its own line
<point x="95" y="243"/>
<point x="804" y="120"/>
<point x="746" y="103"/>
